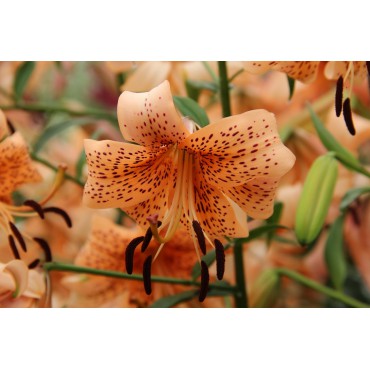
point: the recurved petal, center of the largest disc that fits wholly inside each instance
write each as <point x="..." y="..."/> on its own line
<point x="123" y="175"/>
<point x="237" y="149"/>
<point x="19" y="272"/>
<point x="256" y="197"/>
<point x="302" y="71"/>
<point x="16" y="167"/>
<point x="3" y="125"/>
<point x="150" y="118"/>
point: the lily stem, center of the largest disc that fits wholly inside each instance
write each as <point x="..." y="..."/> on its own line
<point x="332" y="293"/>
<point x="241" y="297"/>
<point x="224" y="89"/>
<point x="57" y="266"/>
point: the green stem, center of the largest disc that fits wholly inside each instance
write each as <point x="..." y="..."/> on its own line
<point x="210" y="71"/>
<point x="46" y="107"/>
<point x="224" y="89"/>
<point x="352" y="302"/>
<point x="55" y="169"/>
<point x="241" y="297"/>
<point x="57" y="266"/>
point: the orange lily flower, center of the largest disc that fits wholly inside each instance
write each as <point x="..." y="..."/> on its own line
<point x="208" y="180"/>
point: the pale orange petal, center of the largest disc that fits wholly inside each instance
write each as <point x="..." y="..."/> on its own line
<point x="150" y="118"/>
<point x="239" y="148"/>
<point x="334" y="69"/>
<point x="256" y="197"/>
<point x="302" y="71"/>
<point x="147" y="76"/>
<point x="19" y="272"/>
<point x="16" y="167"/>
<point x="3" y="125"/>
<point x="122" y="175"/>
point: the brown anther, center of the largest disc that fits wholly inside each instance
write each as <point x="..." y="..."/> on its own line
<point x="147" y="267"/>
<point x="339" y="96"/>
<point x="13" y="247"/>
<point x="18" y="236"/>
<point x="35" y="206"/>
<point x="347" y="114"/>
<point x="45" y="247"/>
<point x="368" y="68"/>
<point x="10" y="127"/>
<point x="129" y="253"/>
<point x="147" y="238"/>
<point x="204" y="281"/>
<point x="34" y="264"/>
<point x="200" y="236"/>
<point x="59" y="212"/>
<point x="220" y="259"/>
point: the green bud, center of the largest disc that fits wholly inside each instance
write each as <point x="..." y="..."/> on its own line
<point x="316" y="197"/>
<point x="265" y="290"/>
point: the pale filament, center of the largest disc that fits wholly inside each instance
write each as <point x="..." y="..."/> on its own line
<point x="350" y="71"/>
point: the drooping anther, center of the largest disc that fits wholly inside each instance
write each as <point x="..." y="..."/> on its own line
<point x="368" y="68"/>
<point x="147" y="268"/>
<point x="204" y="281"/>
<point x="13" y="247"/>
<point x="220" y="259"/>
<point x="129" y="253"/>
<point x="147" y="238"/>
<point x="200" y="236"/>
<point x="45" y="247"/>
<point x="347" y="114"/>
<point x="10" y="127"/>
<point x="34" y="264"/>
<point x="35" y="206"/>
<point x="18" y="236"/>
<point x="339" y="96"/>
<point x="59" y="212"/>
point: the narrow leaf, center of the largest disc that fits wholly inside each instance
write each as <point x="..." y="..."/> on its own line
<point x="334" y="254"/>
<point x="189" y="108"/>
<point x="22" y="76"/>
<point x="291" y="83"/>
<point x="175" y="299"/>
<point x="352" y="195"/>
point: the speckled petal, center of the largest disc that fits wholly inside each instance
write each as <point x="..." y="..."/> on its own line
<point x="150" y="118"/>
<point x="122" y="175"/>
<point x="237" y="149"/>
<point x="3" y="125"/>
<point x="303" y="71"/>
<point x="16" y="167"/>
<point x="333" y="70"/>
<point x="255" y="197"/>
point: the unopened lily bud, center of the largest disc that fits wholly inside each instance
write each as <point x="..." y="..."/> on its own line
<point x="265" y="290"/>
<point x="316" y="197"/>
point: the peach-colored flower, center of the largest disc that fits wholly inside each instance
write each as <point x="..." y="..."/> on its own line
<point x="176" y="174"/>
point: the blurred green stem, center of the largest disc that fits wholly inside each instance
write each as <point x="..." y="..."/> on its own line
<point x="241" y="297"/>
<point x="56" y="266"/>
<point x="224" y="89"/>
<point x="349" y="301"/>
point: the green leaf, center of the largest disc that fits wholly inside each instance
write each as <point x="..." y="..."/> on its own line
<point x="274" y="219"/>
<point x="56" y="129"/>
<point x="330" y="143"/>
<point x="175" y="299"/>
<point x="286" y="133"/>
<point x="351" y="195"/>
<point x="189" y="108"/>
<point x="210" y="257"/>
<point x="22" y="76"/>
<point x="291" y="82"/>
<point x="334" y="254"/>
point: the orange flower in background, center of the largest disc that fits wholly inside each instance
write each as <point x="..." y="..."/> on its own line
<point x="208" y="180"/>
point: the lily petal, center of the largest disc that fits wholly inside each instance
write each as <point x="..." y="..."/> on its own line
<point x="150" y="118"/>
<point x="19" y="272"/>
<point x="302" y="71"/>
<point x="122" y="175"/>
<point x="16" y="167"/>
<point x="237" y="149"/>
<point x="333" y="70"/>
<point x="3" y="125"/>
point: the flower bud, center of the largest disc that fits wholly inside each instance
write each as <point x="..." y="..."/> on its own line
<point x="265" y="290"/>
<point x="315" y="199"/>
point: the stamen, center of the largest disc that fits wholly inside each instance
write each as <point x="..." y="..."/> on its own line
<point x="58" y="181"/>
<point x="339" y="96"/>
<point x="13" y="247"/>
<point x="129" y="253"/>
<point x="60" y="212"/>
<point x="147" y="238"/>
<point x="10" y="126"/>
<point x="147" y="267"/>
<point x="18" y="236"/>
<point x="201" y="239"/>
<point x="45" y="247"/>
<point x="34" y="264"/>
<point x="204" y="282"/>
<point x="35" y="206"/>
<point x="220" y="259"/>
<point x="347" y="114"/>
